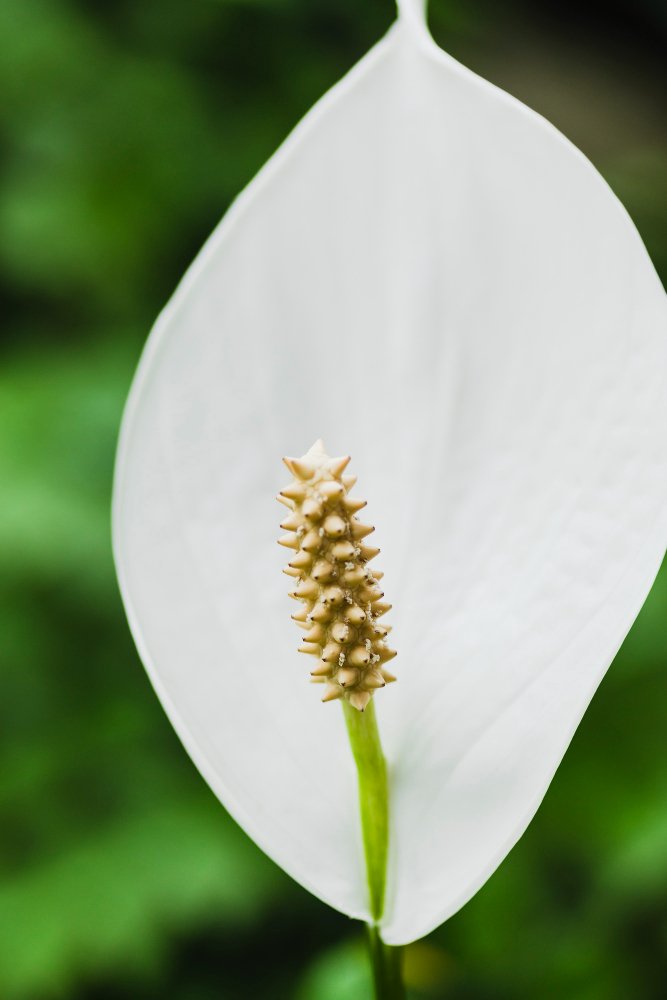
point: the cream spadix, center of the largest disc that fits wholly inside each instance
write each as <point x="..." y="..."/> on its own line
<point x="429" y="274"/>
<point x="341" y="620"/>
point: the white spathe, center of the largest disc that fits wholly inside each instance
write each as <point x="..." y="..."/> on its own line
<point x="432" y="278"/>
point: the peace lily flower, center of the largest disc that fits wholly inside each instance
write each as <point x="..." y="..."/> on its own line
<point x="432" y="278"/>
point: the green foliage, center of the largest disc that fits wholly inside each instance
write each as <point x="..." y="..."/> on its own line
<point x="112" y="899"/>
<point x="342" y="973"/>
<point x="125" y="131"/>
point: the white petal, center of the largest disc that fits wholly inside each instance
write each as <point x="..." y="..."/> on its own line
<point x="430" y="277"/>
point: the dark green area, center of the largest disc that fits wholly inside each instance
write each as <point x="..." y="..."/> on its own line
<point x="125" y="130"/>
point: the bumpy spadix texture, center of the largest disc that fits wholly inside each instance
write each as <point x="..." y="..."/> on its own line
<point x="342" y="601"/>
<point x="429" y="274"/>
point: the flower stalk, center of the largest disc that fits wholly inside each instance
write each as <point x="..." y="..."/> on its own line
<point x="366" y="748"/>
<point x="386" y="963"/>
<point x="373" y="781"/>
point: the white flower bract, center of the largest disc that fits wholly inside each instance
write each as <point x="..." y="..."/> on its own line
<point x="426" y="273"/>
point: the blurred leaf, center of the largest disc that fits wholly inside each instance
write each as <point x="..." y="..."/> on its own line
<point x="57" y="441"/>
<point x="116" y="897"/>
<point x="342" y="973"/>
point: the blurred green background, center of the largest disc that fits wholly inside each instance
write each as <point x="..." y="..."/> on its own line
<point x="125" y="130"/>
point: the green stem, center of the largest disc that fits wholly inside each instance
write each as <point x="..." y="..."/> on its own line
<point x="373" y="798"/>
<point x="364" y="737"/>
<point x="386" y="964"/>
